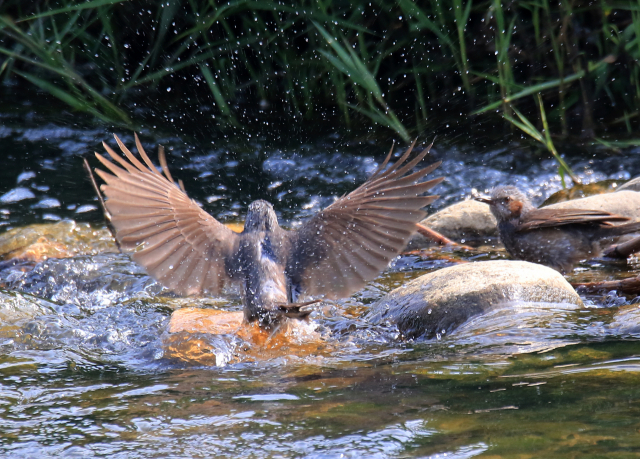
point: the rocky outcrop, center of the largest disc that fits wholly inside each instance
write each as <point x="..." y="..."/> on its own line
<point x="54" y="240"/>
<point x="440" y="301"/>
<point x="625" y="203"/>
<point x="466" y="221"/>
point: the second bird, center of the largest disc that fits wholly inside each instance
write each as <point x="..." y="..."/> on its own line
<point x="558" y="238"/>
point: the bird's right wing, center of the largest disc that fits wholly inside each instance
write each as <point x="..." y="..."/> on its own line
<point x="179" y="244"/>
<point x="544" y="218"/>
<point x="354" y="239"/>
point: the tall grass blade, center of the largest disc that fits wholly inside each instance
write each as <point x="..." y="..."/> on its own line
<point x="217" y="95"/>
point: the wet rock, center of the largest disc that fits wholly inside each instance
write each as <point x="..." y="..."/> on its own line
<point x="197" y="320"/>
<point x="582" y="191"/>
<point x="56" y="240"/>
<point x="438" y="302"/>
<point x="212" y="337"/>
<point x="15" y="306"/>
<point x="467" y="220"/>
<point x="625" y="203"/>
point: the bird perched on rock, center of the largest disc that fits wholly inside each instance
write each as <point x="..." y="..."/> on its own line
<point x="332" y="255"/>
<point x="558" y="238"/>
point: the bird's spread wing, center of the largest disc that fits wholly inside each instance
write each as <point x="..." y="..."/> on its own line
<point x="352" y="240"/>
<point x="179" y="244"/>
<point x="544" y="218"/>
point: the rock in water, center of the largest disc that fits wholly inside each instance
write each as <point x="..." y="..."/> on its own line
<point x="442" y="300"/>
<point x="64" y="239"/>
<point x="625" y="203"/>
<point x="468" y="220"/>
<point x="212" y="337"/>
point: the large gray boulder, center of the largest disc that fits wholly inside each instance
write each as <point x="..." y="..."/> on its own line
<point x="625" y="203"/>
<point x="442" y="300"/>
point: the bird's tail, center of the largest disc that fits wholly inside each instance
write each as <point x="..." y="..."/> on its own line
<point x="619" y="230"/>
<point x="294" y="310"/>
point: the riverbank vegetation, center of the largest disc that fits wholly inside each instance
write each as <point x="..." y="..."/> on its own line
<point x="400" y="64"/>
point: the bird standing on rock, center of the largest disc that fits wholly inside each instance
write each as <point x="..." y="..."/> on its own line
<point x="558" y="238"/>
<point x="332" y="255"/>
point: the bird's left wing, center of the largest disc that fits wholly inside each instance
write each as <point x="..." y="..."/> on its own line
<point x="350" y="242"/>
<point x="544" y="218"/>
<point x="179" y="244"/>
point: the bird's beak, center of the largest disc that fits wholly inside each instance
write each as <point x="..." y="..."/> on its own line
<point x="483" y="199"/>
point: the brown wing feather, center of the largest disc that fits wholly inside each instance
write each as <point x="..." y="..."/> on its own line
<point x="179" y="244"/>
<point x="350" y="242"/>
<point x="544" y="218"/>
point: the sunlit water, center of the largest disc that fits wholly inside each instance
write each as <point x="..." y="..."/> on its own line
<point x="83" y="356"/>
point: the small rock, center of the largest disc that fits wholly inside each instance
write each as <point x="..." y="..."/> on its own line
<point x="212" y="337"/>
<point x="625" y="203"/>
<point x="196" y="320"/>
<point x="440" y="301"/>
<point x="581" y="191"/>
<point x="54" y="240"/>
<point x="40" y="250"/>
<point x="467" y="220"/>
<point x="17" y="307"/>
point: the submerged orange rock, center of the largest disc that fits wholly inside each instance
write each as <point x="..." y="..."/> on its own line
<point x="63" y="239"/>
<point x="198" y="320"/>
<point x="191" y="331"/>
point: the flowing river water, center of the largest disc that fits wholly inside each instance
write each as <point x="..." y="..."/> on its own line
<point x="85" y="369"/>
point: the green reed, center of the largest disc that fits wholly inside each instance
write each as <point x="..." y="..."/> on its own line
<point x="395" y="64"/>
<point x="544" y="138"/>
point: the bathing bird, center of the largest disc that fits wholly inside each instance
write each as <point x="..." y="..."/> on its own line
<point x="331" y="255"/>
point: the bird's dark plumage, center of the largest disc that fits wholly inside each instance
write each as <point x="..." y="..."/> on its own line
<point x="556" y="237"/>
<point x="333" y="254"/>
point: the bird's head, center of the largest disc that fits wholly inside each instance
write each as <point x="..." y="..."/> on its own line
<point x="507" y="203"/>
<point x="260" y="217"/>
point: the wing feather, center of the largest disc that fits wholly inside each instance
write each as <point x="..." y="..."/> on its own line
<point x="350" y="242"/>
<point x="177" y="242"/>
<point x="543" y="218"/>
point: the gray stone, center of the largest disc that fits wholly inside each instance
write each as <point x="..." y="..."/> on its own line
<point x="625" y="203"/>
<point x="467" y="220"/>
<point x="444" y="299"/>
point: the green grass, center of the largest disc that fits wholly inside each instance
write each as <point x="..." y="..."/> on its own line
<point x="386" y="63"/>
<point x="544" y="138"/>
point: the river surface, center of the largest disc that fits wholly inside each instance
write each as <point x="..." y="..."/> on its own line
<point x="84" y="365"/>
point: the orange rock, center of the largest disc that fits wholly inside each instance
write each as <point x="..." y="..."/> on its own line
<point x="54" y="240"/>
<point x="190" y="349"/>
<point x="41" y="250"/>
<point x="187" y="340"/>
<point x="196" y="320"/>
